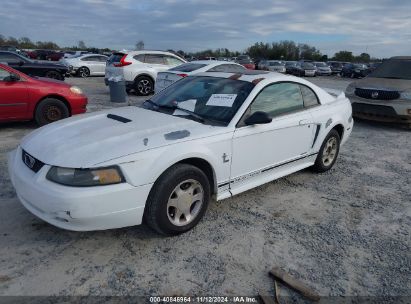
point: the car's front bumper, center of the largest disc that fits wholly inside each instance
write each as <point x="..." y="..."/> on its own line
<point x="397" y="111"/>
<point x="76" y="208"/>
<point x="324" y="73"/>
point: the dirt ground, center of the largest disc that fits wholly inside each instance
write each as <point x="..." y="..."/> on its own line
<point x="344" y="233"/>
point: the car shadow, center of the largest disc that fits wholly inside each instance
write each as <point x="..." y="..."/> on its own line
<point x="19" y="125"/>
<point x="380" y="125"/>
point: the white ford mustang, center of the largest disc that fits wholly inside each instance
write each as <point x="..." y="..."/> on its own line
<point x="209" y="135"/>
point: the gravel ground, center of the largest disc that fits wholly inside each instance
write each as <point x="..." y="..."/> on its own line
<point x="345" y="232"/>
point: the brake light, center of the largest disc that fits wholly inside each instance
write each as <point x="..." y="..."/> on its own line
<point x="182" y="75"/>
<point x="122" y="62"/>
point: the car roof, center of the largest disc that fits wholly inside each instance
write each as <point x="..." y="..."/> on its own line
<point x="213" y="62"/>
<point x="148" y="52"/>
<point x="248" y="75"/>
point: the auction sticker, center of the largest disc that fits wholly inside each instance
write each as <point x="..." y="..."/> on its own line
<point x="221" y="100"/>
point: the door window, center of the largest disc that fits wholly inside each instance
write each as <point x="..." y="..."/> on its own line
<point x="3" y="74"/>
<point x="278" y="99"/>
<point x="170" y="60"/>
<point x="91" y="58"/>
<point x="9" y="58"/>
<point x="154" y="59"/>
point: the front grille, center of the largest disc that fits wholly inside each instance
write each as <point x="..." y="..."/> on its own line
<point x="377" y="94"/>
<point x="31" y="162"/>
<point x="376" y="110"/>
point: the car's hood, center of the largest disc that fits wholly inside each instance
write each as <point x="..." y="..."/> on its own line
<point x="383" y="83"/>
<point x="51" y="80"/>
<point x="87" y="140"/>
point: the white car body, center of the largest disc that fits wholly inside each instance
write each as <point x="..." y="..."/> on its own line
<point x="275" y="66"/>
<point x="94" y="63"/>
<point x="145" y="63"/>
<point x="74" y="54"/>
<point x="165" y="79"/>
<point x="240" y="158"/>
<point x="322" y="69"/>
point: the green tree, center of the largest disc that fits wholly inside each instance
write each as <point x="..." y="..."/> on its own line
<point x="364" y="57"/>
<point x="344" y="56"/>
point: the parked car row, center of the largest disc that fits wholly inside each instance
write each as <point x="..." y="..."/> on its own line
<point x="305" y="68"/>
<point x="189" y="142"/>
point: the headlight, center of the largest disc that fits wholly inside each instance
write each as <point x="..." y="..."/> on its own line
<point x="85" y="177"/>
<point x="406" y="95"/>
<point x="76" y="90"/>
<point x="350" y="89"/>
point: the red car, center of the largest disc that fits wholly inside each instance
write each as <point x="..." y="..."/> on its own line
<point x="45" y="100"/>
<point x="246" y="61"/>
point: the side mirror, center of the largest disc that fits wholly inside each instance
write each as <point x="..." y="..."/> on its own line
<point x="12" y="78"/>
<point x="258" y="118"/>
<point x="21" y="62"/>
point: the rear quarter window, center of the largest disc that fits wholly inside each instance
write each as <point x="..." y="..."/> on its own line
<point x="309" y="97"/>
<point x="227" y="68"/>
<point x="188" y="67"/>
<point x="116" y="57"/>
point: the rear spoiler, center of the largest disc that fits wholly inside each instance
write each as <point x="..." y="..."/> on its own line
<point x="336" y="93"/>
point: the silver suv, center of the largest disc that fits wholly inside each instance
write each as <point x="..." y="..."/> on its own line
<point x="385" y="94"/>
<point x="139" y="68"/>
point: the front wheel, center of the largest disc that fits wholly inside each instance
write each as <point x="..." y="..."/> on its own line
<point x="50" y="110"/>
<point x="178" y="200"/>
<point x="54" y="75"/>
<point x="83" y="72"/>
<point x="328" y="152"/>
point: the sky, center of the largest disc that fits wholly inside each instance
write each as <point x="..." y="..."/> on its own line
<point x="381" y="28"/>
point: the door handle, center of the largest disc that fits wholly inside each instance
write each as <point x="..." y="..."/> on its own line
<point x="305" y="122"/>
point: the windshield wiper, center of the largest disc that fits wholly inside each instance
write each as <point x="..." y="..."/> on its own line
<point x="190" y="113"/>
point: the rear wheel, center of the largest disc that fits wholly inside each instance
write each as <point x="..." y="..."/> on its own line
<point x="178" y="200"/>
<point x="54" y="75"/>
<point x="83" y="72"/>
<point x="50" y="110"/>
<point x="328" y="152"/>
<point x="143" y="85"/>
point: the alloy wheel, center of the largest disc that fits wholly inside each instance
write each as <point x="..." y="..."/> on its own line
<point x="144" y="86"/>
<point x="330" y="151"/>
<point x="185" y="202"/>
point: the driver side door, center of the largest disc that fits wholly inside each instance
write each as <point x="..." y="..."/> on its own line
<point x="263" y="152"/>
<point x="13" y="98"/>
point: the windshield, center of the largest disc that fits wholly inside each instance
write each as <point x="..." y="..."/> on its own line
<point x="276" y="63"/>
<point x="214" y="99"/>
<point x="394" y="68"/>
<point x="307" y="65"/>
<point x="320" y="64"/>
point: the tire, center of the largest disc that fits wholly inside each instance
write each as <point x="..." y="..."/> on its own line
<point x="143" y="85"/>
<point x="328" y="152"/>
<point x="54" y="75"/>
<point x="50" y="110"/>
<point x="83" y="72"/>
<point x="161" y="215"/>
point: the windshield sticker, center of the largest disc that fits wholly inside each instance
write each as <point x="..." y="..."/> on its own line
<point x="189" y="104"/>
<point x="221" y="100"/>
